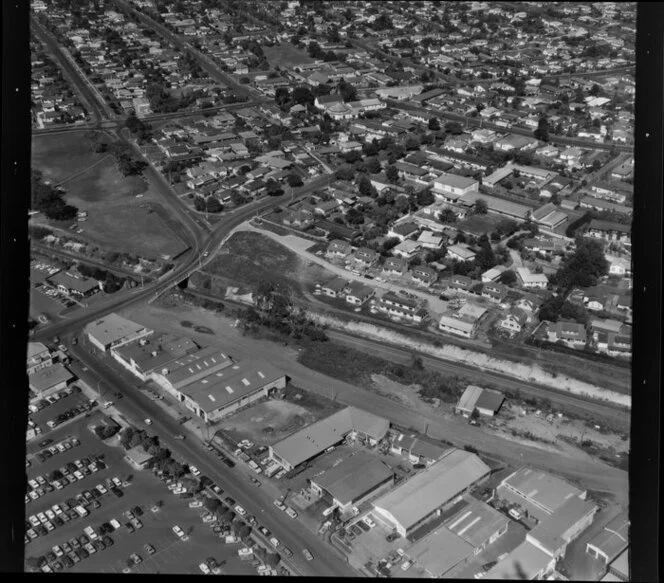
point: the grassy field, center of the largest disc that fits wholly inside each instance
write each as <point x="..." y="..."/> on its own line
<point x="480" y="224"/>
<point x="61" y="155"/>
<point x="250" y="258"/>
<point x="116" y="219"/>
<point x="286" y="54"/>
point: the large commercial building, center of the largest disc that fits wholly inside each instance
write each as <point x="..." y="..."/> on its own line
<point x="49" y="380"/>
<point x="314" y="439"/>
<point x="422" y="496"/>
<point x="113" y="331"/>
<point x="147" y="355"/>
<point x="191" y="367"/>
<point x="220" y="393"/>
<point x="536" y="492"/>
<point x="439" y="552"/>
<point x="353" y="481"/>
<point x="478" y="524"/>
<point x="39" y="356"/>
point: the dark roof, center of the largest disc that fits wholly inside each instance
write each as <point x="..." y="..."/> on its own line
<point x="491" y="400"/>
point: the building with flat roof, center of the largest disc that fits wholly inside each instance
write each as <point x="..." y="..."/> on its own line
<point x="540" y="494"/>
<point x="49" y="380"/>
<point x="228" y="389"/>
<point x="612" y="540"/>
<point x="77" y="286"/>
<point x="39" y="356"/>
<point x="314" y="439"/>
<point x="147" y="355"/>
<point x="113" y="330"/>
<point x="439" y="552"/>
<point x="478" y="524"/>
<point x="419" y="498"/>
<point x="531" y="280"/>
<point x="497" y="205"/>
<point x="138" y="457"/>
<point x="453" y="184"/>
<point x="463" y="322"/>
<point x="487" y="402"/>
<point x="352" y="481"/>
<point x="620" y="566"/>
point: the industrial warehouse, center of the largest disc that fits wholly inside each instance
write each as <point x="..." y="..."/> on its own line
<point x="419" y="498"/>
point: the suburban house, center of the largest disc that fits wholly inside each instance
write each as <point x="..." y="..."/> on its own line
<point x="357" y="293"/>
<point x="609" y="231"/>
<point x="404" y="231"/>
<point x="463" y="322"/>
<point x="339" y="248"/>
<point x="429" y="240"/>
<point x="395" y="266"/>
<point x="399" y="307"/>
<point x="460" y="283"/>
<point x="513" y="321"/>
<point x="568" y="332"/>
<point x="334" y="288"/>
<point x="407" y="249"/>
<point x="424" y="275"/>
<point x="70" y="284"/>
<point x="366" y="257"/>
<point x="531" y="280"/>
<point x="450" y="186"/>
<point x="495" y="292"/>
<point x="39" y="356"/>
<point x="460" y="252"/>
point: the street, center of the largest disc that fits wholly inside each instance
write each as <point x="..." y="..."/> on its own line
<point x="135" y="407"/>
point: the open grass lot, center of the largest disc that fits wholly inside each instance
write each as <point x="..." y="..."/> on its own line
<point x="116" y="218"/>
<point x="286" y="54"/>
<point x="59" y="156"/>
<point x="172" y="556"/>
<point x="480" y="224"/>
<point x="42" y="304"/>
<point x="250" y="258"/>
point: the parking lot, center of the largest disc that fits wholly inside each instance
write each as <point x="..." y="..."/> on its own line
<point x="140" y="488"/>
<point x="51" y="411"/>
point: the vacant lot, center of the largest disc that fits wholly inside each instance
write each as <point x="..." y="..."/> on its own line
<point x="480" y="224"/>
<point x="286" y="54"/>
<point x="116" y="219"/>
<point x="62" y="155"/>
<point x="250" y="258"/>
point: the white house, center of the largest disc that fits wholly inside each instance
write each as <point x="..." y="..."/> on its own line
<point x="531" y="280"/>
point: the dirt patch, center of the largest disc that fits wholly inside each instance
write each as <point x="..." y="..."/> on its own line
<point x="406" y="394"/>
<point x="268" y="422"/>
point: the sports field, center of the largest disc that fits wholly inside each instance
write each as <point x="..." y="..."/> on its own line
<point x="286" y="54"/>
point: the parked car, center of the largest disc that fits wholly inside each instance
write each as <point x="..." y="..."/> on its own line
<point x="149" y="549"/>
<point x="307" y="554"/>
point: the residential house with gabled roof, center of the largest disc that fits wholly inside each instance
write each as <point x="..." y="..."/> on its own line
<point x="358" y="293"/>
<point x="571" y="333"/>
<point x="339" y="249"/>
<point x="424" y="275"/>
<point x="460" y="252"/>
<point x="406" y="249"/>
<point x="495" y="292"/>
<point x="366" y="257"/>
<point x="335" y="287"/>
<point x="404" y="230"/>
<point x="400" y="308"/>
<point x="395" y="266"/>
<point x="514" y="321"/>
<point x="429" y="240"/>
<point x="459" y="283"/>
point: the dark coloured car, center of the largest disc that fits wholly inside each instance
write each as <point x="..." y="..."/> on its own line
<point x="83" y="553"/>
<point x="66" y="547"/>
<point x="74" y="557"/>
<point x="229" y="463"/>
<point x="83" y="539"/>
<point x="137" y="510"/>
<point x="96" y="504"/>
<point x="363" y="525"/>
<point x="67" y="562"/>
<point x="74" y="543"/>
<point x="108" y="541"/>
<point x="287" y="552"/>
<point x="117" y="492"/>
<point x="45" y="442"/>
<point x="229" y="501"/>
<point x="57" y="566"/>
<point x="98" y="544"/>
<point x="50" y="556"/>
<point x="41" y="530"/>
<point x="57" y="521"/>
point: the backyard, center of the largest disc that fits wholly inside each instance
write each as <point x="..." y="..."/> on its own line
<point x="285" y="54"/>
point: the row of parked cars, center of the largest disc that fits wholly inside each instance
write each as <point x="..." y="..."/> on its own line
<point x="54" y="398"/>
<point x="70" y="414"/>
<point x="69" y="473"/>
<point x="78" y="506"/>
<point x="75" y="550"/>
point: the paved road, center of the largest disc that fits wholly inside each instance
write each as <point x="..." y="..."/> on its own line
<point x="136" y="407"/>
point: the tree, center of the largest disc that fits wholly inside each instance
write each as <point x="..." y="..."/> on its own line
<point x="454" y="128"/>
<point x="274" y="188"/>
<point x="373" y="165"/>
<point x="434" y="124"/>
<point x="347" y="91"/>
<point x="480" y="207"/>
<point x="364" y="185"/>
<point x="448" y="216"/>
<point x="345" y="172"/>
<point x="542" y="131"/>
<point x="392" y="174"/>
<point x="294" y="180"/>
<point x="584" y="266"/>
<point x="213" y="205"/>
<point x="507" y="277"/>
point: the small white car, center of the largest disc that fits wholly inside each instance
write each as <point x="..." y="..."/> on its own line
<point x="195" y="504"/>
<point x="370" y="523"/>
<point x="241" y="511"/>
<point x="275" y="542"/>
<point x="195" y="471"/>
<point x="279" y="505"/>
<point x="291" y="512"/>
<point x="148" y="421"/>
<point x="178" y="531"/>
<point x="204" y="568"/>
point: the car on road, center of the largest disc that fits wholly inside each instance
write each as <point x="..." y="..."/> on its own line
<point x="264" y="531"/>
<point x="241" y="511"/>
<point x="279" y="504"/>
<point x="256" y="482"/>
<point x="108" y="404"/>
<point x="148" y="421"/>
<point x="275" y="542"/>
<point x="206" y="254"/>
<point x="286" y="551"/>
<point x="195" y="471"/>
<point x="291" y="512"/>
<point x="217" y="490"/>
<point x="179" y="437"/>
<point x="307" y="554"/>
<point x="229" y="501"/>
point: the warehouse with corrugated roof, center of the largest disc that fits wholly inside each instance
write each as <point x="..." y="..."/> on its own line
<point x="422" y="496"/>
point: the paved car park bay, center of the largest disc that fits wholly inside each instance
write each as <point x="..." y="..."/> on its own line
<point x="144" y="490"/>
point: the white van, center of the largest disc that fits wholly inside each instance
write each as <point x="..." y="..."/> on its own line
<point x="82" y="512"/>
